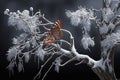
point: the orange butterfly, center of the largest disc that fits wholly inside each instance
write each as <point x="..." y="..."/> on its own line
<point x="54" y="33"/>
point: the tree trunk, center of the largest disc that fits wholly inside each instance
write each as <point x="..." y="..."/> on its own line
<point x="108" y="72"/>
<point x="104" y="75"/>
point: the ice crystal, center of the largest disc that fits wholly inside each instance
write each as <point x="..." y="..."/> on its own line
<point x="87" y="41"/>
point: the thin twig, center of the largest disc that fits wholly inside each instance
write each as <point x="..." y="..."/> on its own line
<point x="68" y="61"/>
<point x="80" y="62"/>
<point x="47" y="20"/>
<point x="39" y="73"/>
<point x="48" y="71"/>
<point x="46" y="28"/>
<point x="67" y="32"/>
<point x="45" y="24"/>
<point x="65" y="42"/>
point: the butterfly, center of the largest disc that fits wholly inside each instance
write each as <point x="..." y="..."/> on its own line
<point x="54" y="33"/>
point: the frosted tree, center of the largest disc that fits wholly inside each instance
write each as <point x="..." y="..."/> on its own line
<point x="41" y="37"/>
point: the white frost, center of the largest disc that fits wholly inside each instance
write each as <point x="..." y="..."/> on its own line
<point x="107" y="14"/>
<point x="11" y="66"/>
<point x="27" y="57"/>
<point x="57" y="64"/>
<point x="20" y="66"/>
<point x="40" y="53"/>
<point x="111" y="40"/>
<point x="12" y="52"/>
<point x="111" y="26"/>
<point x="15" y="41"/>
<point x="23" y="20"/>
<point x="103" y="29"/>
<point x="6" y="11"/>
<point x="87" y="41"/>
<point x="107" y="2"/>
<point x="81" y="16"/>
<point x="31" y="8"/>
<point x="100" y="64"/>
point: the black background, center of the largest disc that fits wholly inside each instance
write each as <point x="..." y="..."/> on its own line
<point x="53" y="10"/>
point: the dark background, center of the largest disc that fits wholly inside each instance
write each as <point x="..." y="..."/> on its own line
<point x="53" y="10"/>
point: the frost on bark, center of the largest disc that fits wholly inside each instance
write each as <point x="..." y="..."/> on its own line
<point x="41" y="37"/>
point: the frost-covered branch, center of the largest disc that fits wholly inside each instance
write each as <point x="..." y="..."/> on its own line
<point x="75" y="55"/>
<point x="109" y="36"/>
<point x="41" y="37"/>
<point x="32" y="41"/>
<point x="83" y="16"/>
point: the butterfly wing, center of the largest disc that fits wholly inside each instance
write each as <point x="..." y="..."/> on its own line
<point x="58" y="24"/>
<point x="57" y="33"/>
<point x="54" y="33"/>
